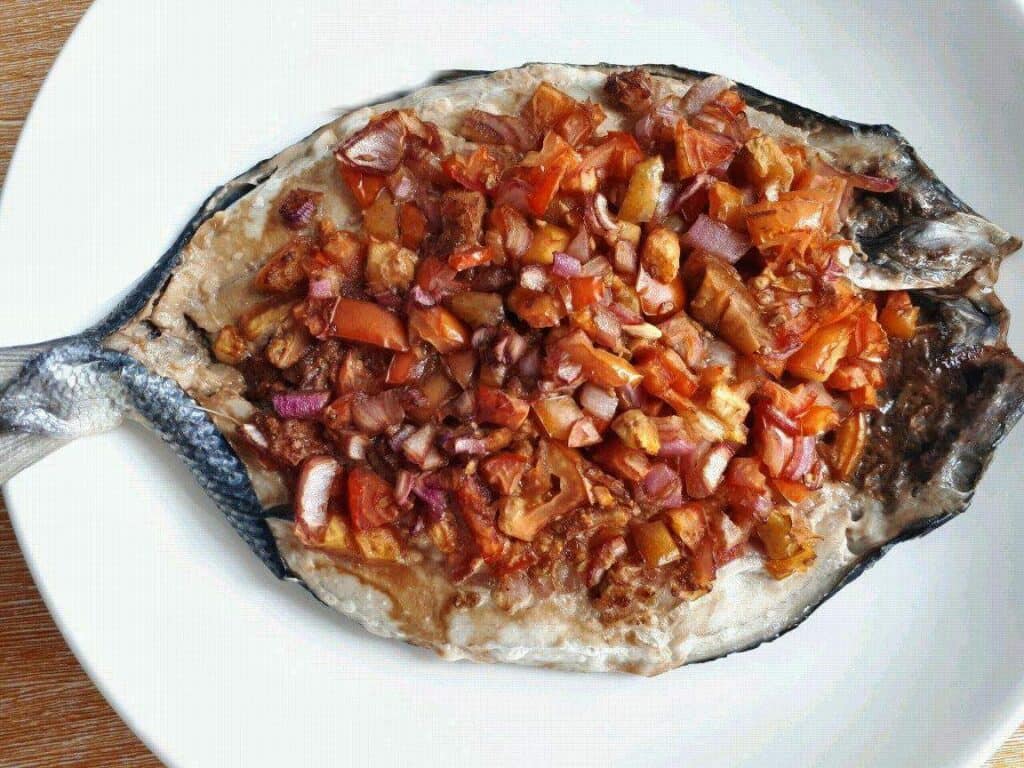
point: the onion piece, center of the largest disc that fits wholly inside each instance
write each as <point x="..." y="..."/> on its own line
<point x="716" y="238"/>
<point x="377" y="148"/>
<point x="625" y="314"/>
<point x="300" y="405"/>
<point x="565" y="265"/>
<point x="321" y="289"/>
<point x="662" y="486"/>
<point x="703" y="92"/>
<point x="428" y="489"/>
<point x="534" y="278"/>
<point x="404" y="482"/>
<point x="579" y="246"/>
<point x="706" y="473"/>
<point x="802" y="459"/>
<point x="596" y="267"/>
<point x="375" y="414"/>
<point x="418" y="445"/>
<point x="599" y="219"/>
<point x="312" y="494"/>
<point x="598" y="401"/>
<point x="626" y="257"/>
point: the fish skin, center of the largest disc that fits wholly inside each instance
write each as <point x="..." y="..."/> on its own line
<point x="77" y="388"/>
<point x="907" y="241"/>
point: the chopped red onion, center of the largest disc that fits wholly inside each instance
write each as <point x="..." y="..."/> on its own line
<point x="529" y="364"/>
<point x="716" y="238"/>
<point x="579" y="246"/>
<point x="510" y="347"/>
<point x="706" y="473"/>
<point x="703" y="92"/>
<point x="377" y="148"/>
<point x="485" y="127"/>
<point x="300" y="405"/>
<point x="625" y="314"/>
<point x="518" y="237"/>
<point x="565" y="265"/>
<point x="607" y="328"/>
<point x="404" y="482"/>
<point x="699" y="182"/>
<point x="720" y="353"/>
<point x="598" y="402"/>
<point x="321" y="289"/>
<point x="626" y="259"/>
<point x="514" y="192"/>
<point x="802" y="459"/>
<point x="399" y="435"/>
<point x="582" y="433"/>
<point x="432" y="494"/>
<point x="533" y="277"/>
<point x="596" y="267"/>
<point x="419" y="444"/>
<point x="662" y="486"/>
<point x="353" y="445"/>
<point x="313" y="492"/>
<point x="375" y="414"/>
<point x="599" y="219"/>
<point x="422" y="297"/>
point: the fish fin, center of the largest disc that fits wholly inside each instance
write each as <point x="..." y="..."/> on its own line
<point x="13" y="359"/>
<point x="19" y="450"/>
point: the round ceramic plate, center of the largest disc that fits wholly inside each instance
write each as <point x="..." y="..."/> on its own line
<point x="213" y="662"/>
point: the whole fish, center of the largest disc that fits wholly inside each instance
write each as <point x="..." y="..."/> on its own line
<point x="952" y="394"/>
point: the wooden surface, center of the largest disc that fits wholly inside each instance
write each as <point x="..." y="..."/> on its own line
<point x="50" y="712"/>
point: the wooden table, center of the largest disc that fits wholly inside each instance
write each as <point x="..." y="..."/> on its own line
<point x="50" y="712"/>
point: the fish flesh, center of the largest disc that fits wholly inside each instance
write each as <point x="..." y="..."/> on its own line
<point x="954" y="391"/>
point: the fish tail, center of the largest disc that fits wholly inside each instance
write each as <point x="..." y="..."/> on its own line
<point x="53" y="392"/>
<point x="19" y="450"/>
<point x="13" y="359"/>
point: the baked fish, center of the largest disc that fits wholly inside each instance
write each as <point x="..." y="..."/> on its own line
<point x="588" y="367"/>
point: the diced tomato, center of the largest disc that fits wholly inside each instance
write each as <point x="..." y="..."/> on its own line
<point x="819" y="356"/>
<point x="368" y="323"/>
<point x="413" y="225"/>
<point x="503" y="471"/>
<point x="364" y="187"/>
<point x="818" y="420"/>
<point x="495" y="406"/>
<point x="622" y="461"/>
<point x="371" y="501"/>
<point x="899" y="316"/>
<point x="600" y="366"/>
<point x="404" y="367"/>
<point x="549" y="106"/>
<point x="479" y="171"/>
<point x="666" y="376"/>
<point x="585" y="291"/>
<point x="698" y="151"/>
<point x="535" y="308"/>
<point x="725" y="204"/>
<point x="791" y="490"/>
<point x="614" y="158"/>
<point x="473" y="256"/>
<point x="439" y="327"/>
<point x="479" y="516"/>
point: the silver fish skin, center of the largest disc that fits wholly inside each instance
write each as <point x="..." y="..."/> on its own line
<point x="921" y="238"/>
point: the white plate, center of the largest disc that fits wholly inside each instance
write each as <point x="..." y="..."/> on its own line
<point x="212" y="662"/>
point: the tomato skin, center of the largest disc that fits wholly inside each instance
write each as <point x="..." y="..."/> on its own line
<point x="363" y="186"/>
<point x="369" y="323"/>
<point x="586" y="291"/>
<point x="371" y="502"/>
<point x="494" y="406"/>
